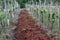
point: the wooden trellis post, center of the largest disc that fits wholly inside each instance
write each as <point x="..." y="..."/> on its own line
<point x="48" y="18"/>
<point x="53" y="19"/>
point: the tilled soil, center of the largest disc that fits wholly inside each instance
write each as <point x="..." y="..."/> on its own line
<point x="27" y="29"/>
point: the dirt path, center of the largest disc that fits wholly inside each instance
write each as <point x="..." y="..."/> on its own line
<point x="27" y="29"/>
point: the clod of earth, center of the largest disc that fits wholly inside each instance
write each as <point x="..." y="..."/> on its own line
<point x="27" y="29"/>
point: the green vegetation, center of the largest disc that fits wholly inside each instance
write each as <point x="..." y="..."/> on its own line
<point x="47" y="16"/>
<point x="23" y="2"/>
<point x="52" y="20"/>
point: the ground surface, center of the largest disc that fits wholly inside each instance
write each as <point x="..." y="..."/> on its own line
<point x="27" y="29"/>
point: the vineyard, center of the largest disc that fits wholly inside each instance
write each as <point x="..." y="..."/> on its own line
<point x="37" y="21"/>
<point x="47" y="16"/>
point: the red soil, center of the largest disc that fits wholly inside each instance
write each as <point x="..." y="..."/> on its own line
<point x="27" y="29"/>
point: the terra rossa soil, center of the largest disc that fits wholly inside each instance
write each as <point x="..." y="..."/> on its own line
<point x="27" y="28"/>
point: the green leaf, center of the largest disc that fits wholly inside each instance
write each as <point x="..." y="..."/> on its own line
<point x="4" y="21"/>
